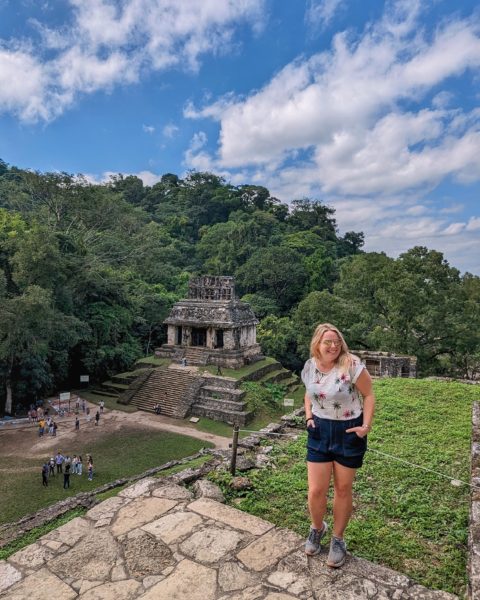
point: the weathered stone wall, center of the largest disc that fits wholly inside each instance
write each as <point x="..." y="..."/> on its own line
<point x="474" y="529"/>
<point x="386" y="364"/>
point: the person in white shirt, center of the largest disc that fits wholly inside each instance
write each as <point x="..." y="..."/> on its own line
<point x="339" y="407"/>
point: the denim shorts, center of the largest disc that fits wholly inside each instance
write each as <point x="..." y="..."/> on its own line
<point x="328" y="442"/>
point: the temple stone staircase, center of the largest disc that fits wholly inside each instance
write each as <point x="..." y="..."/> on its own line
<point x="196" y="356"/>
<point x="220" y="399"/>
<point x="175" y="389"/>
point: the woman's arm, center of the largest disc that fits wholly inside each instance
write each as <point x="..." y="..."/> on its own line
<point x="308" y="409"/>
<point x="364" y="386"/>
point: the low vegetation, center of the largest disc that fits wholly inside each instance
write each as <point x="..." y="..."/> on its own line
<point x="120" y="454"/>
<point x="409" y="519"/>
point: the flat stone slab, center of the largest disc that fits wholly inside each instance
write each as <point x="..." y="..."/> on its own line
<point x="264" y="552"/>
<point x="173" y="526"/>
<point x="156" y="546"/>
<point x="139" y="512"/>
<point x="92" y="558"/>
<point x="189" y="581"/>
<point x="172" y="491"/>
<point x="71" y="532"/>
<point x="32" y="556"/>
<point x="107" y="508"/>
<point x="230" y="516"/>
<point x="210" y="544"/>
<point x="121" y="590"/>
<point x="8" y="575"/>
<point x="145" y="555"/>
<point x="140" y="488"/>
<point x="40" y="586"/>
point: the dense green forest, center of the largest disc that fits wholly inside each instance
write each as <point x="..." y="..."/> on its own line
<point x="89" y="272"/>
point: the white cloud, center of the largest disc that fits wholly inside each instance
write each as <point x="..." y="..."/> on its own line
<point x="369" y="126"/>
<point x="148" y="129"/>
<point x="107" y="43"/>
<point x="320" y="13"/>
<point x="170" y="130"/>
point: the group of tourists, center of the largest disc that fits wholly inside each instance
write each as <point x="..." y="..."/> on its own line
<point x="65" y="465"/>
<point x="47" y="425"/>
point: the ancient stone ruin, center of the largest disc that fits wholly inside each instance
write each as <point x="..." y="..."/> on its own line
<point x="211" y="326"/>
<point x="386" y="364"/>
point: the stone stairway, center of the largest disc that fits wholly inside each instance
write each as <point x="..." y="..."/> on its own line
<point x="220" y="400"/>
<point x="196" y="356"/>
<point x="173" y="388"/>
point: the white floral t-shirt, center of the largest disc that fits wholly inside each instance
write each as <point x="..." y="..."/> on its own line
<point x="333" y="395"/>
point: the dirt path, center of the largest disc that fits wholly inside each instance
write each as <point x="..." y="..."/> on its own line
<point x="23" y="439"/>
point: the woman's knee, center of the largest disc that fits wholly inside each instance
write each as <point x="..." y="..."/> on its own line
<point x="343" y="490"/>
<point x="317" y="492"/>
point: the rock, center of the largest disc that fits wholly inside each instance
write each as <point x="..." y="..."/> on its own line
<point x="241" y="483"/>
<point x="8" y="575"/>
<point x="230" y="516"/>
<point x="140" y="512"/>
<point x="173" y="526"/>
<point x="231" y="577"/>
<point x="210" y="544"/>
<point x="244" y="463"/>
<point x="140" y="488"/>
<point x="173" y="492"/>
<point x="262" y="461"/>
<point x="120" y="590"/>
<point x="265" y="551"/>
<point x="145" y="555"/>
<point x="189" y="581"/>
<point x="42" y="584"/>
<point x="92" y="558"/>
<point x="203" y="488"/>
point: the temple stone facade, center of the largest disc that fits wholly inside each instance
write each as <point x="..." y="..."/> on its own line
<point x="212" y="326"/>
<point x="386" y="364"/>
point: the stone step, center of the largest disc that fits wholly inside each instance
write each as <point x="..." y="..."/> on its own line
<point x="227" y="416"/>
<point x="222" y="404"/>
<point x="221" y="393"/>
<point x="276" y="376"/>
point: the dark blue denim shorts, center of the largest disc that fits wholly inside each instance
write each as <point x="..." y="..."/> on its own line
<point x="328" y="442"/>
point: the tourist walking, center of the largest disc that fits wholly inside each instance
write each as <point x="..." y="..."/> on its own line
<point x="88" y="414"/>
<point x="339" y="407"/>
<point x="102" y="406"/>
<point x="45" y="469"/>
<point x="51" y="467"/>
<point x="55" y="427"/>
<point x="77" y="424"/>
<point x="97" y="417"/>
<point x="79" y="465"/>
<point x="66" y="477"/>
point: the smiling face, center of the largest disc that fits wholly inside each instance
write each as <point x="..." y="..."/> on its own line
<point x="330" y="347"/>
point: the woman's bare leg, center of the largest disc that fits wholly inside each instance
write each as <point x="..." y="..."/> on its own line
<point x="342" y="501"/>
<point x="319" y="475"/>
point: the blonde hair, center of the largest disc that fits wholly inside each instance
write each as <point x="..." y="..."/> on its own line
<point x="344" y="360"/>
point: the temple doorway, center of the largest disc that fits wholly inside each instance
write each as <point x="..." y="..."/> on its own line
<point x="199" y="336"/>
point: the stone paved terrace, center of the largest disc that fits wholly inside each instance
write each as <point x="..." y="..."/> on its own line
<point x="155" y="541"/>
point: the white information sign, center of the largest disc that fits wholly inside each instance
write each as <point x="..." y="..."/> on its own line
<point x="64" y="396"/>
<point x="288" y="402"/>
<point x="84" y="378"/>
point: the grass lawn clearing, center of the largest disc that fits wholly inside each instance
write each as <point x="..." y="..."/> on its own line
<point x="405" y="518"/>
<point x="126" y="451"/>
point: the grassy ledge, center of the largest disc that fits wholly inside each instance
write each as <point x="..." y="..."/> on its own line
<point x="405" y="518"/>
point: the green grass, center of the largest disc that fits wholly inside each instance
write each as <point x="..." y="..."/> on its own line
<point x="110" y="402"/>
<point x="121" y="454"/>
<point x="242" y="372"/>
<point x="37" y="532"/>
<point x="153" y="360"/>
<point x="405" y="518"/>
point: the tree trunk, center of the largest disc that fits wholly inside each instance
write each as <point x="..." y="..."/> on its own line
<point x="8" y="401"/>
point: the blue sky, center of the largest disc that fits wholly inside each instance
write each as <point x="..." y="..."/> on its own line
<point x="370" y="106"/>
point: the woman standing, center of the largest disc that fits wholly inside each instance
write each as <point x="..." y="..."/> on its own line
<point x="339" y="406"/>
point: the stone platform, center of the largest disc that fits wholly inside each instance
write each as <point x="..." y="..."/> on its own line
<point x="155" y="541"/>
